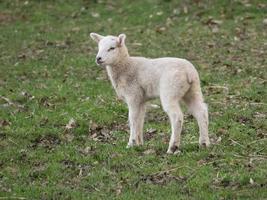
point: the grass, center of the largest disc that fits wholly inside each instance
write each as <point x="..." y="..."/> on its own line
<point x="48" y="76"/>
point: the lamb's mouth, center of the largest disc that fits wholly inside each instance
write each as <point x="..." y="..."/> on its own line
<point x="100" y="63"/>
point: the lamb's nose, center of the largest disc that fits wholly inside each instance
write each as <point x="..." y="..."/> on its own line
<point x="98" y="59"/>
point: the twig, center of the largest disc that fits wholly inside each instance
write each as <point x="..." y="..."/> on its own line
<point x="256" y="141"/>
<point x="13" y="142"/>
<point x="218" y="102"/>
<point x="10" y="102"/>
<point x="224" y="88"/>
<point x="256" y="104"/>
<point x="240" y="156"/>
<point x="251" y="156"/>
<point x="170" y="170"/>
<point x="96" y="189"/>
<point x="259" y="156"/>
<point x="7" y="100"/>
<point x="20" y="198"/>
<point x="235" y="142"/>
<point x="211" y="162"/>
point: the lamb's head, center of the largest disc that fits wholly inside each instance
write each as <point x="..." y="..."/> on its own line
<point x="111" y="49"/>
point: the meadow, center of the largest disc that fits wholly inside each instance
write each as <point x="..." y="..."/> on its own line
<point x="63" y="132"/>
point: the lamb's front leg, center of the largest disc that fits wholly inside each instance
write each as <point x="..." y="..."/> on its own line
<point x="136" y="121"/>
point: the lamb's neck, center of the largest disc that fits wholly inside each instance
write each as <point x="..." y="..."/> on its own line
<point x="119" y="70"/>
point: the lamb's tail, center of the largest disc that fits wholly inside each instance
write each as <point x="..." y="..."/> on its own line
<point x="189" y="78"/>
<point x="195" y="90"/>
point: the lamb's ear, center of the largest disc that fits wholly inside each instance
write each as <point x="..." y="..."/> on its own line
<point x="96" y="37"/>
<point x="121" y="39"/>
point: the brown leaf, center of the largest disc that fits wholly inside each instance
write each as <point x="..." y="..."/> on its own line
<point x="48" y="141"/>
<point x="160" y="29"/>
<point x="222" y="131"/>
<point x="10" y="103"/>
<point x="104" y="133"/>
<point x="6" y="17"/>
<point x="161" y="178"/>
<point x="119" y="189"/>
<point x="93" y="126"/>
<point x="149" y="151"/>
<point x="27" y="95"/>
<point x="22" y="56"/>
<point x="215" y="140"/>
<point x="201" y="162"/>
<point x="95" y="14"/>
<point x="185" y="9"/>
<point x="44" y="121"/>
<point x="71" y="124"/>
<point x="215" y="89"/>
<point x="150" y="133"/>
<point x="87" y="150"/>
<point x="215" y="29"/>
<point x="69" y="137"/>
<point x="4" y="123"/>
<point x="212" y="21"/>
<point x="75" y="29"/>
<point x="159" y="13"/>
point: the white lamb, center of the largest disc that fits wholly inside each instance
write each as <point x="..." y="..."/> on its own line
<point x="137" y="80"/>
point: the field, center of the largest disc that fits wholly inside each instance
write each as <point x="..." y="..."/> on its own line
<point x="63" y="133"/>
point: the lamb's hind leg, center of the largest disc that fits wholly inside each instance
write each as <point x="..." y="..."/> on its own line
<point x="200" y="111"/>
<point x="171" y="106"/>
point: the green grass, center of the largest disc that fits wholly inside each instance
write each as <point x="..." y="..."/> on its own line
<point x="48" y="76"/>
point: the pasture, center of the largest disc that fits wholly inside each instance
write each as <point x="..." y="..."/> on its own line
<point x="63" y="133"/>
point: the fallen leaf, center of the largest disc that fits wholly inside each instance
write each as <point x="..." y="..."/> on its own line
<point x="218" y="89"/>
<point x="10" y="103"/>
<point x="176" y="12"/>
<point x="153" y="106"/>
<point x="71" y="124"/>
<point x="69" y="137"/>
<point x="201" y="162"/>
<point x="137" y="44"/>
<point x="118" y="189"/>
<point x="215" y="140"/>
<point x="185" y="9"/>
<point x="169" y="22"/>
<point x="6" y="17"/>
<point x="159" y="13"/>
<point x="215" y="29"/>
<point x="149" y="151"/>
<point x="75" y="29"/>
<point x="4" y="123"/>
<point x="160" y="29"/>
<point x="27" y="95"/>
<point x="48" y="141"/>
<point x="212" y="21"/>
<point x="95" y="15"/>
<point x="222" y="131"/>
<point x="150" y="133"/>
<point x="161" y="178"/>
<point x="259" y="115"/>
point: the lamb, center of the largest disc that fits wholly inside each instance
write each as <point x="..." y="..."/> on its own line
<point x="137" y="80"/>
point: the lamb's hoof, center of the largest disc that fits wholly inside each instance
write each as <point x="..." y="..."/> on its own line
<point x="174" y="150"/>
<point x="204" y="143"/>
<point x="131" y="144"/>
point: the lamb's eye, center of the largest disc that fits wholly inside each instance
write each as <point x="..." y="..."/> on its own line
<point x="111" y="48"/>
